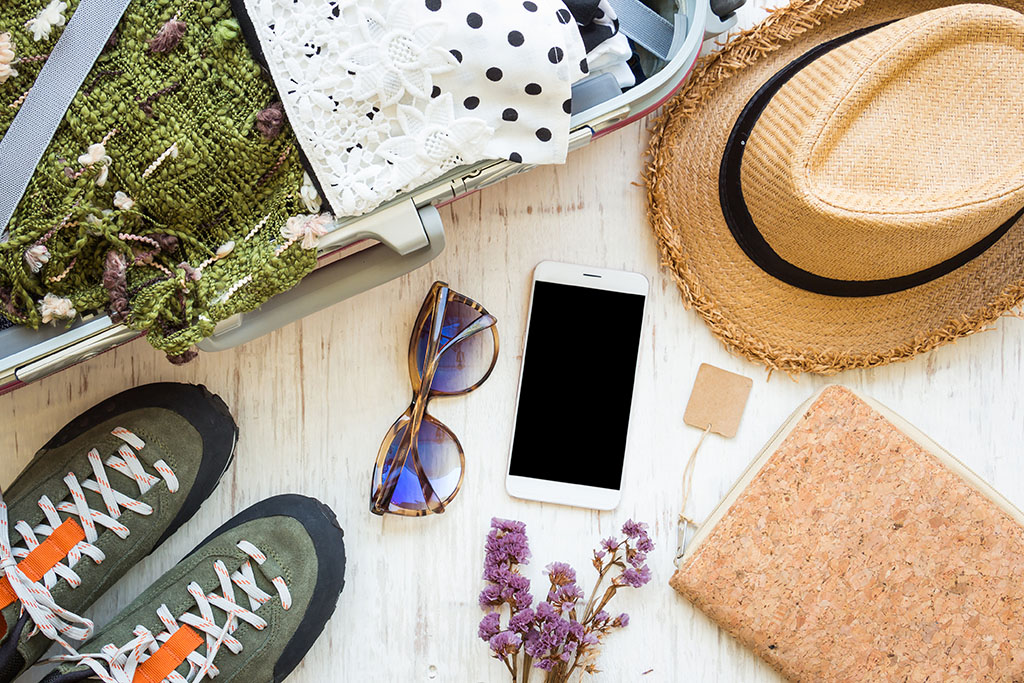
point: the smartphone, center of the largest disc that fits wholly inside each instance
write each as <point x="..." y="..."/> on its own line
<point x="576" y="385"/>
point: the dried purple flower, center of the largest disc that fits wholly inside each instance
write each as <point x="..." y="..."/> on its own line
<point x="565" y="598"/>
<point x="634" y="529"/>
<point x="490" y="596"/>
<point x="505" y="643"/>
<point x="635" y="558"/>
<point x="490" y="625"/>
<point x="508" y="525"/>
<point x="635" y="578"/>
<point x="560" y="573"/>
<point x="645" y="544"/>
<point x="622" y="621"/>
<point x="610" y="544"/>
<point x="506" y="545"/>
<point x="521" y="621"/>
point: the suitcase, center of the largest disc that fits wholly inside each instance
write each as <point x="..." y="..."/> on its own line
<point x="403" y="234"/>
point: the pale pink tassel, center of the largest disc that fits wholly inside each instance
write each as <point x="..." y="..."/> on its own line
<point x="183" y="358"/>
<point x="270" y="121"/>
<point x="116" y="283"/>
<point x="169" y="37"/>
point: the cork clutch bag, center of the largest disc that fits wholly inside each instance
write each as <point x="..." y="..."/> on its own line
<point x="856" y="549"/>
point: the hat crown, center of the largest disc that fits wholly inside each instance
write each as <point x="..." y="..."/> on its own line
<point x="896" y="151"/>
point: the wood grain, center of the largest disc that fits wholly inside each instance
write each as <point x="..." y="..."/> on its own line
<point x="314" y="400"/>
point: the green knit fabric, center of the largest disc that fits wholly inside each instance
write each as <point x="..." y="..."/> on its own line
<point x="183" y="145"/>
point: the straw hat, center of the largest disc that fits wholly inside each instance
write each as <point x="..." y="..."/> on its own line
<point x="843" y="185"/>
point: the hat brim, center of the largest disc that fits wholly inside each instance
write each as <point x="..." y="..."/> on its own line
<point x="761" y="317"/>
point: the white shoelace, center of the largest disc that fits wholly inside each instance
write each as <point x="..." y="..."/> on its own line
<point x="118" y="664"/>
<point x="51" y="619"/>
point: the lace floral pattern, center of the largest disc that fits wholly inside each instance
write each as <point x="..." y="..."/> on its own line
<point x="381" y="93"/>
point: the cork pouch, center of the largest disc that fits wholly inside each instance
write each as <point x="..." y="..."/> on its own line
<point x="856" y="549"/>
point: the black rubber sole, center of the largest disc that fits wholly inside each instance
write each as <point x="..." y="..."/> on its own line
<point x="321" y="524"/>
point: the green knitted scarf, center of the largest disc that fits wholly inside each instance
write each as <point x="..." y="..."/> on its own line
<point x="163" y="195"/>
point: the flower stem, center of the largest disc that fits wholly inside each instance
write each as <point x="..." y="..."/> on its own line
<point x="589" y="612"/>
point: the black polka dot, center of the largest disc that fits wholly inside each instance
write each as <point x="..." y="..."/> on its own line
<point x="530" y="6"/>
<point x="584" y="67"/>
<point x="435" y="92"/>
<point x="457" y="55"/>
<point x="599" y="14"/>
<point x="555" y="55"/>
<point x="494" y="74"/>
<point x="563" y="16"/>
<point x="474" y="20"/>
<point x="471" y="102"/>
<point x="533" y="89"/>
<point x="543" y="134"/>
<point x="433" y="5"/>
<point x="510" y="114"/>
<point x="515" y="38"/>
<point x="567" y="106"/>
<point x="516" y="157"/>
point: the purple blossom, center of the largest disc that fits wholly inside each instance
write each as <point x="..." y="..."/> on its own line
<point x="544" y="664"/>
<point x="489" y="626"/>
<point x="506" y="546"/>
<point x="521" y="621"/>
<point x="508" y="525"/>
<point x="560" y="573"/>
<point x="634" y="529"/>
<point x="490" y="596"/>
<point x="636" y="559"/>
<point x="565" y="597"/>
<point x="505" y="643"/>
<point x="622" y="621"/>
<point x="635" y="578"/>
<point x="645" y="544"/>
<point x="601" y="617"/>
<point x="610" y="544"/>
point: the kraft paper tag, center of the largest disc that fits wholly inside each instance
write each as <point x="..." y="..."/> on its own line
<point x="717" y="401"/>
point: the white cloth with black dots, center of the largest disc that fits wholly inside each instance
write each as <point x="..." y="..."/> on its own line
<point x="387" y="95"/>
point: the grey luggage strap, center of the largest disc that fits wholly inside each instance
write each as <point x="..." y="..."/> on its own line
<point x="645" y="26"/>
<point x="35" y="124"/>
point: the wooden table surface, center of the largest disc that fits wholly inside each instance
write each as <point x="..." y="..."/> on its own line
<point x="314" y="400"/>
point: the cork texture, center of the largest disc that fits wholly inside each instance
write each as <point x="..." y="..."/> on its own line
<point x="856" y="555"/>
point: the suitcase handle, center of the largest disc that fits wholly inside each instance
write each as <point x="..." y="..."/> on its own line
<point x="399" y="253"/>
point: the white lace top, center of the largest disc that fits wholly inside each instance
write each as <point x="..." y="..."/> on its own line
<point x="386" y="95"/>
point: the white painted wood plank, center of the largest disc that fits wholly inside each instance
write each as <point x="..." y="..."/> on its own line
<point x="314" y="400"/>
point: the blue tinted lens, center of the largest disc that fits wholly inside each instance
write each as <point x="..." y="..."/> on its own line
<point x="465" y="363"/>
<point x="440" y="460"/>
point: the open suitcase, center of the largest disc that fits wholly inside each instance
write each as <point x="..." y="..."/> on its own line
<point x="399" y="236"/>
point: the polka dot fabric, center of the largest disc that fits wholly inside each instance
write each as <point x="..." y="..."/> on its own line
<point x="387" y="95"/>
<point x="519" y="61"/>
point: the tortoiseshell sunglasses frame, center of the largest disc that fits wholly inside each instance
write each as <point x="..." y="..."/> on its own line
<point x="432" y="310"/>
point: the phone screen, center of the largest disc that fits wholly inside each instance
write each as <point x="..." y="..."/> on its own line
<point x="577" y="385"/>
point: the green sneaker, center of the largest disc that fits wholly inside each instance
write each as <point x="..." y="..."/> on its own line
<point x="245" y="605"/>
<point x="102" y="494"/>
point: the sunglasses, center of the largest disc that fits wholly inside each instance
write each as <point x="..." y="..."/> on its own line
<point x="452" y="351"/>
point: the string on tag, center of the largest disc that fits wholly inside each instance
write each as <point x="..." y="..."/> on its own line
<point x="684" y="522"/>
